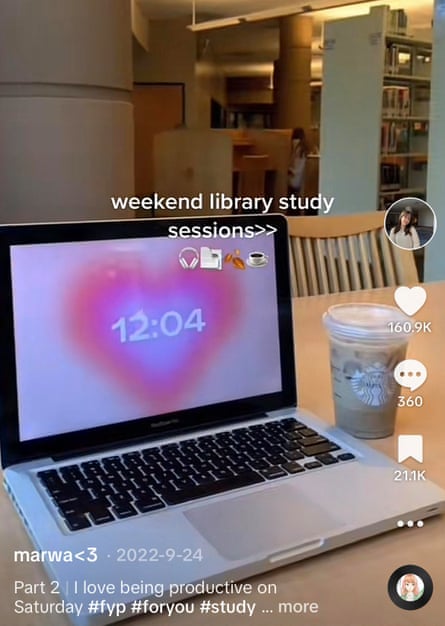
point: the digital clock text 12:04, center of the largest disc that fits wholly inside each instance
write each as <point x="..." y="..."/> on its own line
<point x="140" y="327"/>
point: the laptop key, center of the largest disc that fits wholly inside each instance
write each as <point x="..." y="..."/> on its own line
<point x="103" y="490"/>
<point x="202" y="478"/>
<point x="293" y="444"/>
<point x="130" y="456"/>
<point x="260" y="464"/>
<point x="68" y="509"/>
<point x="258" y="455"/>
<point x="308" y="432"/>
<point x="182" y="483"/>
<point x="149" y="503"/>
<point x="313" y="465"/>
<point x="313" y="441"/>
<point x="52" y="481"/>
<point x="290" y="422"/>
<point x="240" y="468"/>
<point x="71" y="472"/>
<point x="326" y="459"/>
<point x="321" y="448"/>
<point x="222" y="474"/>
<point x="276" y="460"/>
<point x="271" y="450"/>
<point x="67" y="498"/>
<point x="293" y="467"/>
<point x="99" y="514"/>
<point x="293" y="455"/>
<point x="295" y="427"/>
<point x="76" y="522"/>
<point x="120" y="499"/>
<point x="125" y="510"/>
<point x="346" y="456"/>
<point x="210" y="489"/>
<point x="89" y="483"/>
<point x="293" y="434"/>
<point x="273" y="472"/>
<point x="114" y="464"/>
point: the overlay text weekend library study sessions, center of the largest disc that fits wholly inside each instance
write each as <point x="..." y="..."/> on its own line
<point x="221" y="201"/>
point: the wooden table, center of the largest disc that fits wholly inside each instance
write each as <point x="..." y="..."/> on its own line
<point x="349" y="584"/>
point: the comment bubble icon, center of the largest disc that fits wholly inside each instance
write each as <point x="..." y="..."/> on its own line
<point x="410" y="374"/>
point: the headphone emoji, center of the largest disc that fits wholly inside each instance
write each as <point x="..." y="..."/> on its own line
<point x="189" y="258"/>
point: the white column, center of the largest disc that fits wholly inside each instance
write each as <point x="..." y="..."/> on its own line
<point x="434" y="252"/>
<point x="66" y="117"/>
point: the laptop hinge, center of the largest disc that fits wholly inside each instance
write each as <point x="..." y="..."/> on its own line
<point x="92" y="450"/>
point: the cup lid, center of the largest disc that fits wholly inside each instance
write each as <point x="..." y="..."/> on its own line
<point x="366" y="322"/>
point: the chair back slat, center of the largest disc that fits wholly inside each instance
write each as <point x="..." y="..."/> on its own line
<point x="344" y="253"/>
<point x="365" y="260"/>
<point x="311" y="274"/>
<point x="345" y="284"/>
<point x="406" y="273"/>
<point x="385" y="247"/>
<point x="320" y="260"/>
<point x="333" y="265"/>
<point x="376" y="261"/>
<point x="354" y="273"/>
<point x="300" y="267"/>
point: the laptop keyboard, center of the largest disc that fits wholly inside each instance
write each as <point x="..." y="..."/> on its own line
<point x="117" y="487"/>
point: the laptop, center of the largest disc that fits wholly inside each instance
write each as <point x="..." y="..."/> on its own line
<point x="151" y="437"/>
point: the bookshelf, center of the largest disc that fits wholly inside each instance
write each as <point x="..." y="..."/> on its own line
<point x="374" y="111"/>
<point x="405" y="118"/>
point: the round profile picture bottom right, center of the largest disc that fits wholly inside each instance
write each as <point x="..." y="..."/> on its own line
<point x="410" y="587"/>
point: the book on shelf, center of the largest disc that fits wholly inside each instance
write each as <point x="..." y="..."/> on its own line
<point x="396" y="21"/>
<point x="391" y="59"/>
<point x="390" y="176"/>
<point x="421" y="128"/>
<point x="398" y="59"/>
<point x="394" y="137"/>
<point x="396" y="101"/>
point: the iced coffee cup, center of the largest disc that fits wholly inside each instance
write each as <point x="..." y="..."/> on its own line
<point x="364" y="353"/>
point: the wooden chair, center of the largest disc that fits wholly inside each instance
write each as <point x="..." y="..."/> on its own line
<point x="252" y="175"/>
<point x="345" y="253"/>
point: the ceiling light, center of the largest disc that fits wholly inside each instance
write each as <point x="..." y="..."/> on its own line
<point x="269" y="14"/>
<point x="219" y="23"/>
<point x="285" y="11"/>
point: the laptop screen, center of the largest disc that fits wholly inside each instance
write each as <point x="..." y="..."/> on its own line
<point x="116" y="330"/>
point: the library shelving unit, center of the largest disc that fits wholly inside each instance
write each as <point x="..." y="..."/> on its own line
<point x="374" y="113"/>
<point x="405" y="118"/>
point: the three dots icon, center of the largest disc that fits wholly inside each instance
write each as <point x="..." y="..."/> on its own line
<point x="410" y="523"/>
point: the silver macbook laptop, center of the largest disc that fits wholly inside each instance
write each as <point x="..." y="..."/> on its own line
<point x="151" y="438"/>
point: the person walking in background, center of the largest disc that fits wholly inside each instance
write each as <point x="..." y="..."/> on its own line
<point x="297" y="164"/>
<point x="405" y="234"/>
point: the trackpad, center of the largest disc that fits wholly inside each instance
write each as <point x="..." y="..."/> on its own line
<point x="265" y="521"/>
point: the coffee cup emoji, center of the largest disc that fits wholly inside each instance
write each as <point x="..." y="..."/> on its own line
<point x="257" y="259"/>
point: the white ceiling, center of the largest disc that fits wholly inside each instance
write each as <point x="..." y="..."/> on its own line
<point x="250" y="49"/>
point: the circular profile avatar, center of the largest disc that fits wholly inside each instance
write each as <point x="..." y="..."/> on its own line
<point x="410" y="587"/>
<point x="410" y="223"/>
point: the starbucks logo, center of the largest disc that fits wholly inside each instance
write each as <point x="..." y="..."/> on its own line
<point x="374" y="385"/>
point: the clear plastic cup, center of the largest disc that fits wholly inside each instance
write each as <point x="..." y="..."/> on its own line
<point x="364" y="354"/>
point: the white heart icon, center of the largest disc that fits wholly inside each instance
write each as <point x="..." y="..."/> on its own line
<point x="410" y="300"/>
